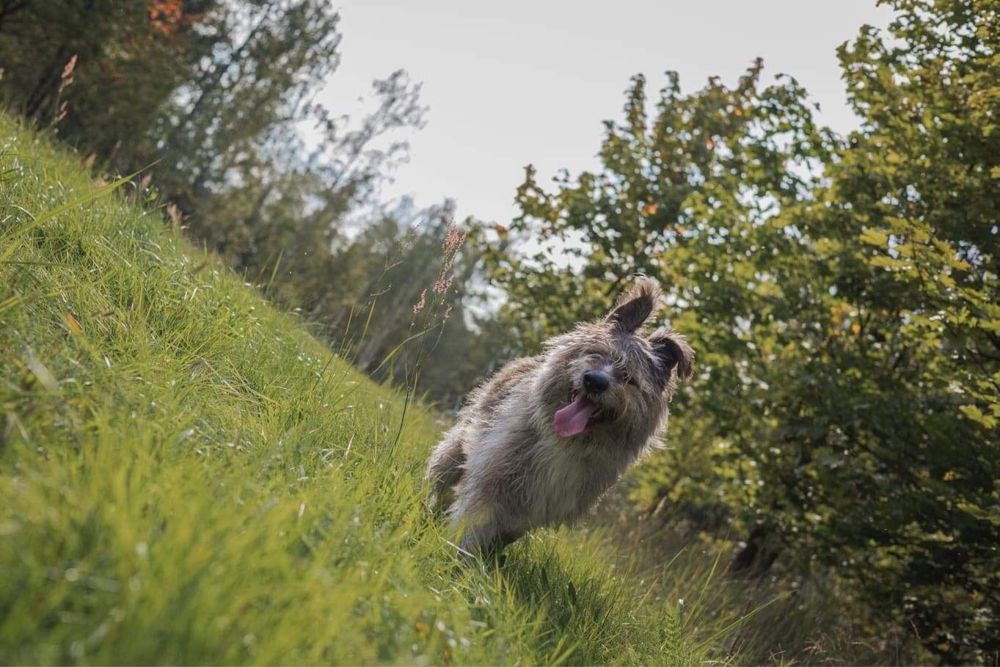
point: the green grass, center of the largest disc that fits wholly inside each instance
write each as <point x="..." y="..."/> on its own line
<point x="188" y="477"/>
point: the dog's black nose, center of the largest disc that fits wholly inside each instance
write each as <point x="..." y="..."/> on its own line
<point x="596" y="382"/>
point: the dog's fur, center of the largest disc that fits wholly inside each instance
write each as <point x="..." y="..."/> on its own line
<point x="503" y="469"/>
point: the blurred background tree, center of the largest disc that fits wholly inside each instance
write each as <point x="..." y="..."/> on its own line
<point x="136" y="55"/>
<point x="214" y="100"/>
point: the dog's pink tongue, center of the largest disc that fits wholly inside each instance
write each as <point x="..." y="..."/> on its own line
<point x="572" y="419"/>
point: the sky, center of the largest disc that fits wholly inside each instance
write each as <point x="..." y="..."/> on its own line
<point x="519" y="82"/>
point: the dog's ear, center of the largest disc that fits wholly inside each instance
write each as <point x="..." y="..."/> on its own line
<point x="673" y="351"/>
<point x="635" y="305"/>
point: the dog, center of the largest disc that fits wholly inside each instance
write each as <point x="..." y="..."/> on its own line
<point x="539" y="442"/>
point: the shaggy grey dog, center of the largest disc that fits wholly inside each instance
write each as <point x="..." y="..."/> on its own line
<point x="539" y="442"/>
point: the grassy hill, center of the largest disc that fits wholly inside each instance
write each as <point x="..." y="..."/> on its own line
<point x="188" y="477"/>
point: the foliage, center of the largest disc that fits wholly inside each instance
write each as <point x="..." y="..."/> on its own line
<point x="841" y="295"/>
<point x="189" y="477"/>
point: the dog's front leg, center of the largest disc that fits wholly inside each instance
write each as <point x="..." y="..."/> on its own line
<point x="480" y="526"/>
<point x="486" y="540"/>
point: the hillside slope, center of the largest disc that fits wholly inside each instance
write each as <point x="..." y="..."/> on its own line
<point x="188" y="477"/>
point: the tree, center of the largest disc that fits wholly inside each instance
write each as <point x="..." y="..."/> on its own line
<point x="841" y="296"/>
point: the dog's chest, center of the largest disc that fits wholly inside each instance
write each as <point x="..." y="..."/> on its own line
<point x="564" y="483"/>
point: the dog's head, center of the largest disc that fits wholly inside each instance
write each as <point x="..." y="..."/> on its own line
<point x="612" y="379"/>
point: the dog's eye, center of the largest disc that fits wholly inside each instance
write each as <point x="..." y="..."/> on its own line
<point x="628" y="379"/>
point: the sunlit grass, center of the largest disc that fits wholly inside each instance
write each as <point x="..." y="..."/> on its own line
<point x="188" y="477"/>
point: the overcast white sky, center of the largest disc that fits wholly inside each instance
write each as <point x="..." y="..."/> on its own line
<point x="517" y="82"/>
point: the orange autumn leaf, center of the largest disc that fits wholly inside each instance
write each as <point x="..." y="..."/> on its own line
<point x="168" y="16"/>
<point x="74" y="324"/>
